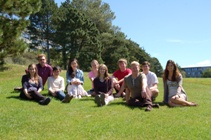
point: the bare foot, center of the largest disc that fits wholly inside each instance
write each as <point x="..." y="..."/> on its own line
<point x="193" y="104"/>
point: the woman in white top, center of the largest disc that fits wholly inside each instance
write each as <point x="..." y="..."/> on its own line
<point x="56" y="86"/>
<point x="174" y="94"/>
<point x="76" y="90"/>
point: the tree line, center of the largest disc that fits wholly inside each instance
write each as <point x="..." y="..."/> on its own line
<point x="79" y="28"/>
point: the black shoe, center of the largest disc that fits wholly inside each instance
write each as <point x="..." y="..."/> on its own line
<point x="102" y="98"/>
<point x="148" y="108"/>
<point x="67" y="98"/>
<point x="46" y="101"/>
<point x="97" y="100"/>
<point x="155" y="105"/>
<point x="18" y="88"/>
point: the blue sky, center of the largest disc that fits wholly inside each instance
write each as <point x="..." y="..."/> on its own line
<point x="167" y="29"/>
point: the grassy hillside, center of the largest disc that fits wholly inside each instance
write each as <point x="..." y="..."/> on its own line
<point x="81" y="119"/>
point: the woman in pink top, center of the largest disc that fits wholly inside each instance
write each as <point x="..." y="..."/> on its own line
<point x="92" y="74"/>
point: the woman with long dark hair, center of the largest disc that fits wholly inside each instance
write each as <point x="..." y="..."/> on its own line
<point x="77" y="80"/>
<point x="174" y="93"/>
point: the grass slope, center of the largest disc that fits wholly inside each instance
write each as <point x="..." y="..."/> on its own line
<point x="81" y="119"/>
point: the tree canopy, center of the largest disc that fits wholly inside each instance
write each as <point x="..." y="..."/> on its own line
<point x="75" y="33"/>
<point x="41" y="30"/>
<point x="79" y="28"/>
<point x="206" y="73"/>
<point x="13" y="19"/>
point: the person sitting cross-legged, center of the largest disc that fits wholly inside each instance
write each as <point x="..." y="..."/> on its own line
<point x="118" y="77"/>
<point x="152" y="80"/>
<point x="103" y="87"/>
<point x="56" y="86"/>
<point x="136" y="89"/>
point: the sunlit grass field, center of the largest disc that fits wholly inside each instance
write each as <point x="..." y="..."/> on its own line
<point x="81" y="119"/>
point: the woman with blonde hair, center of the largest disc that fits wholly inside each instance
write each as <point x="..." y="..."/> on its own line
<point x="103" y="86"/>
<point x="174" y="94"/>
<point x="32" y="86"/>
<point x="92" y="75"/>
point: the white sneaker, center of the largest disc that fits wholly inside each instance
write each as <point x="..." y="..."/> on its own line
<point x="79" y="96"/>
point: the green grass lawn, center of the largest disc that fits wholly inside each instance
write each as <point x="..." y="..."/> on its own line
<point x="81" y="119"/>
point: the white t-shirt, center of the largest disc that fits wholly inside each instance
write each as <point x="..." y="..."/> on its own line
<point x="151" y="79"/>
<point x="56" y="84"/>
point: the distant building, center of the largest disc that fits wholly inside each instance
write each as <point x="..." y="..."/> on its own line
<point x="195" y="71"/>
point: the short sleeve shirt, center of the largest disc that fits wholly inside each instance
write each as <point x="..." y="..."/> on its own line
<point x="121" y="74"/>
<point x="151" y="79"/>
<point x="91" y="75"/>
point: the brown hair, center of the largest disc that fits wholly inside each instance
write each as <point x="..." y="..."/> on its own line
<point x="176" y="71"/>
<point x="135" y="63"/>
<point x="55" y="68"/>
<point x="41" y="55"/>
<point x="94" y="61"/>
<point x="36" y="76"/>
<point x="70" y="69"/>
<point x="145" y="63"/>
<point x="122" y="60"/>
<point x="106" y="75"/>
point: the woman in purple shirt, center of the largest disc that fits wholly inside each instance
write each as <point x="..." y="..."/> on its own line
<point x="32" y="86"/>
<point x="103" y="86"/>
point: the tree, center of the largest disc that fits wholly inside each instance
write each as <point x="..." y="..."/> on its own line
<point x="136" y="53"/>
<point x="156" y="67"/>
<point x="101" y="15"/>
<point x="98" y="12"/>
<point x="13" y="19"/>
<point x="181" y="71"/>
<point x="40" y="29"/>
<point x="75" y="33"/>
<point x="206" y="73"/>
<point x="114" y="42"/>
<point x="113" y="48"/>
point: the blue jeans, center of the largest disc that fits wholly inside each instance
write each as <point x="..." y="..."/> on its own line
<point x="60" y="95"/>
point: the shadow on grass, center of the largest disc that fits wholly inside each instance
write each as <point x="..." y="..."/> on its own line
<point x="46" y="94"/>
<point x="123" y="103"/>
<point x="3" y="68"/>
<point x="160" y="103"/>
<point x="28" y="100"/>
<point x="18" y="98"/>
<point x="14" y="97"/>
<point x="18" y="91"/>
<point x="15" y="91"/>
<point x="87" y="99"/>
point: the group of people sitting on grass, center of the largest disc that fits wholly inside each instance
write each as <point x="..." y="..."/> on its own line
<point x="137" y="88"/>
